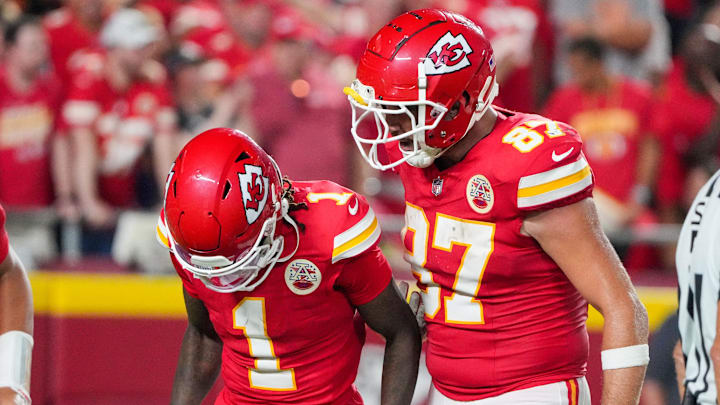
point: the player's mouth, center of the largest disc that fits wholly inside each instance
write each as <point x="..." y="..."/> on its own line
<point x="406" y="144"/>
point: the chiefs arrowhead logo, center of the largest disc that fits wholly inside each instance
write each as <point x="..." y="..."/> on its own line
<point x="254" y="187"/>
<point x="449" y="54"/>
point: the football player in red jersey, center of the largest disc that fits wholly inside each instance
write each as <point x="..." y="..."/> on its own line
<point x="273" y="273"/>
<point x="16" y="324"/>
<point x="501" y="231"/>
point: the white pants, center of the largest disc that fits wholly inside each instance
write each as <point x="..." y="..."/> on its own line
<point x="571" y="392"/>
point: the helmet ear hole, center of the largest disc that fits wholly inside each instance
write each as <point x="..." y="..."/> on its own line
<point x="454" y="110"/>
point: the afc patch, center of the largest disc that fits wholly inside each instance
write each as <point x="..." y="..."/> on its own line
<point x="302" y="276"/>
<point x="479" y="194"/>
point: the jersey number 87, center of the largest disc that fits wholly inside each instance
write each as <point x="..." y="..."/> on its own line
<point x="462" y="306"/>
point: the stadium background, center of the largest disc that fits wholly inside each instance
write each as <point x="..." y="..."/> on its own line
<point x="109" y="312"/>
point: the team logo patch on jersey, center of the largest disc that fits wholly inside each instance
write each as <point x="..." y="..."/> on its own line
<point x="254" y="187"/>
<point x="437" y="186"/>
<point x="480" y="194"/>
<point x="449" y="54"/>
<point x="302" y="276"/>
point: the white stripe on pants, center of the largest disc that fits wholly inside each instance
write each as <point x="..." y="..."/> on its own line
<point x="548" y="394"/>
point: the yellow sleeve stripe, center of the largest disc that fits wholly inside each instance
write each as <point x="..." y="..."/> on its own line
<point x="162" y="238"/>
<point x="554" y="185"/>
<point x="358" y="244"/>
<point x="557" y="193"/>
<point x="354" y="230"/>
<point x="161" y="233"/>
<point x="552" y="174"/>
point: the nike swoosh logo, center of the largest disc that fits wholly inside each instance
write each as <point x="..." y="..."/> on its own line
<point x="353" y="210"/>
<point x="561" y="156"/>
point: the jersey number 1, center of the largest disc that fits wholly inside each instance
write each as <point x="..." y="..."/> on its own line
<point x="249" y="315"/>
<point x="462" y="306"/>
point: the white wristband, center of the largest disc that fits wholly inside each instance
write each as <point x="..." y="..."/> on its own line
<point x="624" y="357"/>
<point x="15" y="359"/>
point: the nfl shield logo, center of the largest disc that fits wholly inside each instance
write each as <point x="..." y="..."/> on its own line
<point x="437" y="186"/>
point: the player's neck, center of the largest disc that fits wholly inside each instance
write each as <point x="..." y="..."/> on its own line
<point x="457" y="152"/>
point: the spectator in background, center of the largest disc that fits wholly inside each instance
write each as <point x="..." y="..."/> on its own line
<point x="201" y="104"/>
<point x="635" y="32"/>
<point x="118" y="106"/>
<point x="612" y="115"/>
<point x="297" y="107"/>
<point x="687" y="119"/>
<point x="70" y="28"/>
<point x="522" y="39"/>
<point x="207" y="26"/>
<point x="29" y="102"/>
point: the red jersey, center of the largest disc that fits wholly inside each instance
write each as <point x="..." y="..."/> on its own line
<point x="501" y="315"/>
<point x="612" y="126"/>
<point x="27" y="124"/>
<point x="293" y="339"/>
<point x="123" y="122"/>
<point x="4" y="245"/>
<point x="66" y="35"/>
<point x="681" y="115"/>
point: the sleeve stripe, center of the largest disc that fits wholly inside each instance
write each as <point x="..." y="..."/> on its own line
<point x="556" y="194"/>
<point x="161" y="233"/>
<point x="552" y="175"/>
<point x="355" y="230"/>
<point x="162" y="239"/>
<point x="358" y="239"/>
<point x="359" y="247"/>
<point x="554" y="185"/>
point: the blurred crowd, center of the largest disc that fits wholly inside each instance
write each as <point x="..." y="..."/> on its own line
<point x="97" y="96"/>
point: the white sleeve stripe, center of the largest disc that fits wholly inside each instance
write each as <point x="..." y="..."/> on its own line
<point x="554" y="195"/>
<point x="355" y="230"/>
<point x="360" y="247"/>
<point x="554" y="174"/>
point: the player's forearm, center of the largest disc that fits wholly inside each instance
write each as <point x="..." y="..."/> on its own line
<point x="198" y="367"/>
<point x="400" y="367"/>
<point x="626" y="324"/>
<point x="715" y="358"/>
<point x="16" y="311"/>
<point x="679" y="361"/>
<point x="622" y="386"/>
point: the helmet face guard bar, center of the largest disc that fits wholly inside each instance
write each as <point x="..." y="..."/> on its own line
<point x="363" y="102"/>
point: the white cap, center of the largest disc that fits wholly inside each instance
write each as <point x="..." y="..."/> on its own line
<point x="128" y="28"/>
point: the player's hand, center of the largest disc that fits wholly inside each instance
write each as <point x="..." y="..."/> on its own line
<point x="10" y="397"/>
<point x="415" y="303"/>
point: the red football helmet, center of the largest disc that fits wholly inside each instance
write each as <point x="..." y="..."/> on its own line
<point x="435" y="61"/>
<point x="223" y="198"/>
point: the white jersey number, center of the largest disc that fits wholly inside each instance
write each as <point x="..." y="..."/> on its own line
<point x="462" y="307"/>
<point x="249" y="315"/>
